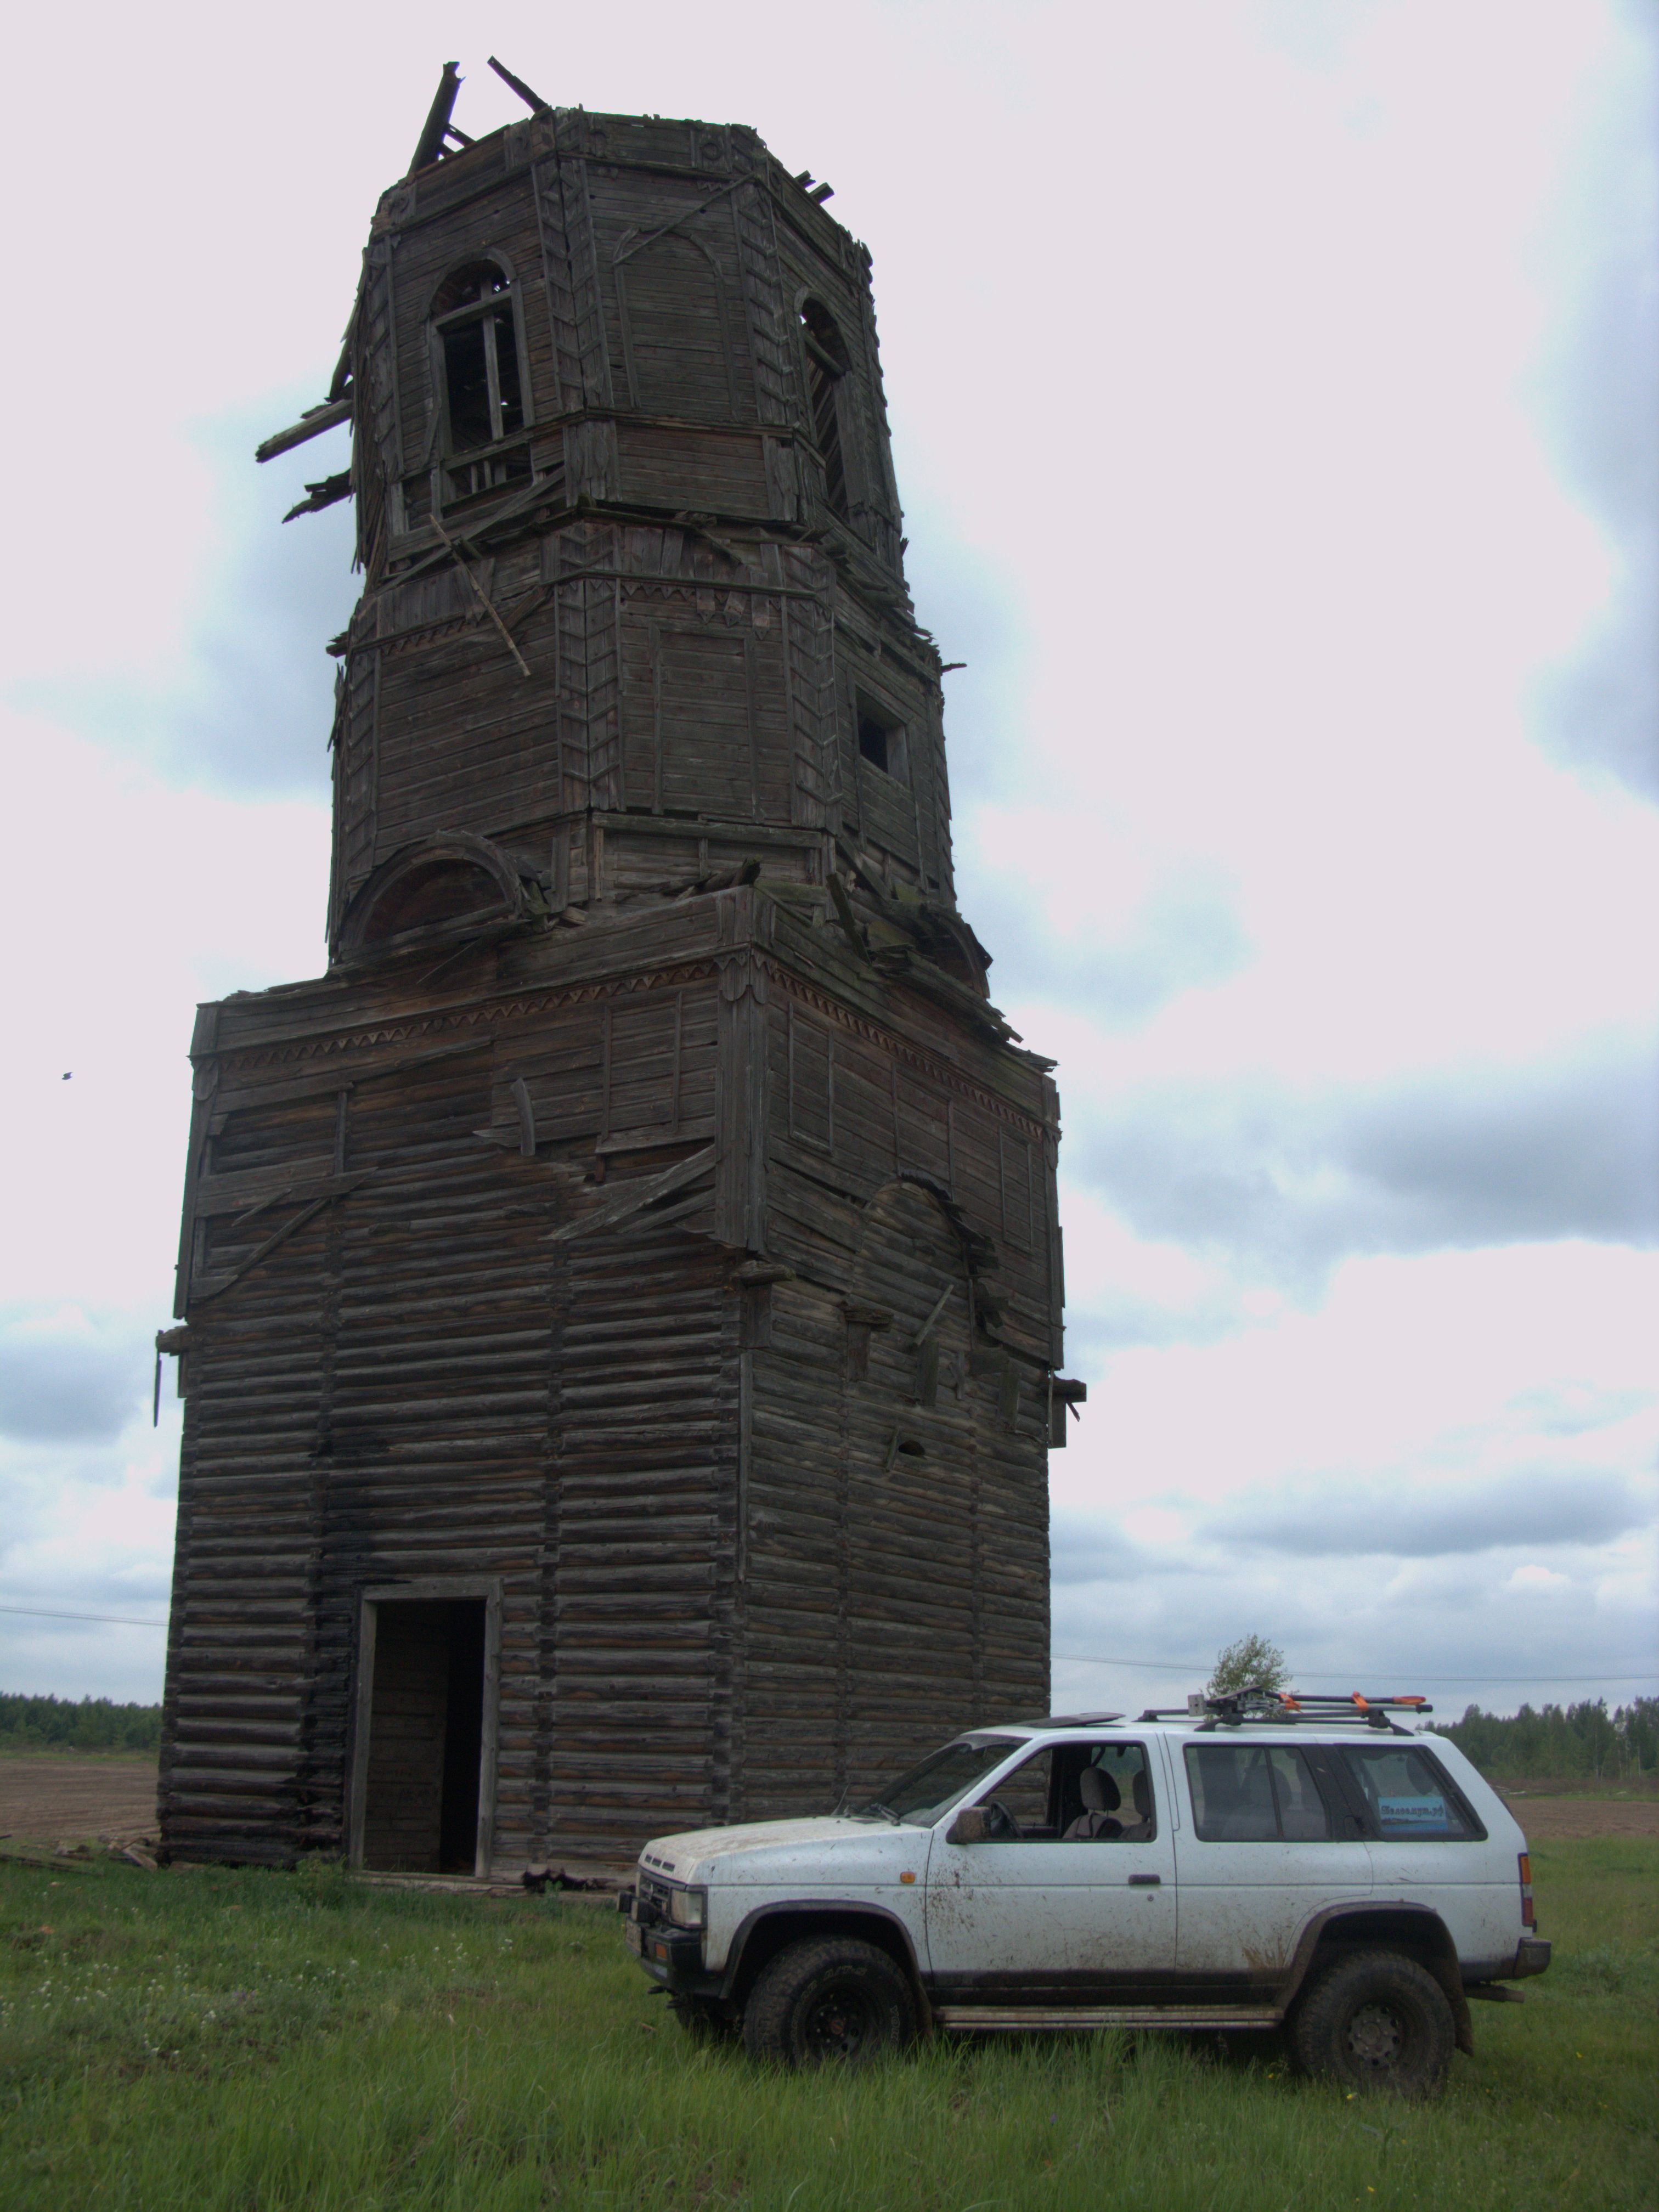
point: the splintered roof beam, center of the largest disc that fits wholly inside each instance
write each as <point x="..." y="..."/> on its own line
<point x="328" y="493"/>
<point x="311" y="424"/>
<point x="532" y="101"/>
<point x="430" y="143"/>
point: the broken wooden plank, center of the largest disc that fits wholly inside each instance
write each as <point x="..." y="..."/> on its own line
<point x="328" y="492"/>
<point x="635" y="1196"/>
<point x="341" y="1186"/>
<point x="532" y="101"/>
<point x="311" y="424"/>
<point x="481" y="595"/>
<point x="436" y="128"/>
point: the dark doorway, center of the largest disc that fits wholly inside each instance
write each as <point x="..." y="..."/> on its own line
<point x="425" y="1736"/>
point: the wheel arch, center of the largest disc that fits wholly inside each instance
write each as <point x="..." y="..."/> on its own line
<point x="1417" y="1931"/>
<point x="772" y="1928"/>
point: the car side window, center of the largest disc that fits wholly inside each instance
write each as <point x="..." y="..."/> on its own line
<point x="1024" y="1797"/>
<point x="1406" y="1796"/>
<point x="1077" y="1793"/>
<point x="1104" y="1794"/>
<point x="1255" y="1793"/>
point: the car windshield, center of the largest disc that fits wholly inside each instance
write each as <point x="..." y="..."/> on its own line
<point x="928" y="1791"/>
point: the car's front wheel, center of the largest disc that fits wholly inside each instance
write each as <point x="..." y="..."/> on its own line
<point x="1376" y="2020"/>
<point x="828" y="1999"/>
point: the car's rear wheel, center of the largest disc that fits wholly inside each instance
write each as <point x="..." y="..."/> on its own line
<point x="829" y="2000"/>
<point x="1376" y="2020"/>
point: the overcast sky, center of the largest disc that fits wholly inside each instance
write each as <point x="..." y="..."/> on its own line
<point x="1274" y="389"/>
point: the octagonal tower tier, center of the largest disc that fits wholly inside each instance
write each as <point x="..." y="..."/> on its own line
<point x="628" y="368"/>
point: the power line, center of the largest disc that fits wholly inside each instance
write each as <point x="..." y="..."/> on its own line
<point x="1066" y="1658"/>
<point x="1423" y="1673"/>
<point x="115" y="1619"/>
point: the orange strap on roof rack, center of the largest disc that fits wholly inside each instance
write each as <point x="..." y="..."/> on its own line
<point x="1256" y="1705"/>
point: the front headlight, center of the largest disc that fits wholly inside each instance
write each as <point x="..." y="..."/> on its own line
<point x="688" y="1908"/>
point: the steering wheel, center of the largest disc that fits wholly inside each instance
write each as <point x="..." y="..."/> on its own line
<point x="1001" y="1827"/>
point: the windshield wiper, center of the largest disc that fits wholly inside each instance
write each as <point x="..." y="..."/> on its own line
<point x="876" y="1805"/>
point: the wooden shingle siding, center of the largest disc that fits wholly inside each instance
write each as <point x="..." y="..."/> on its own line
<point x="659" y="464"/>
<point x="668" y="249"/>
<point x="676" y="328"/>
<point x="636" y="1240"/>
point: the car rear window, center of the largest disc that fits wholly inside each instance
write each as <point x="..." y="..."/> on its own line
<point x="1255" y="1793"/>
<point x="1406" y="1795"/>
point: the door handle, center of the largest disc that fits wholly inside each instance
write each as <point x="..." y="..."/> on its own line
<point x="1145" y="1880"/>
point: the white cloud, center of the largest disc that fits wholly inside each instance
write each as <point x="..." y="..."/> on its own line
<point x="1406" y="1363"/>
<point x="1533" y="1578"/>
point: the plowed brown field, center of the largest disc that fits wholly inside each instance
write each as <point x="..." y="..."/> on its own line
<point x="53" y="1800"/>
<point x="1549" y="1817"/>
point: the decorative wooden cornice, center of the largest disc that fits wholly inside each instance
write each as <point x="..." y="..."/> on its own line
<point x="488" y="1012"/>
<point x="891" y="1040"/>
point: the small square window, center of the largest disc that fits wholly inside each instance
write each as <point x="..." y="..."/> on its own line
<point x="881" y="740"/>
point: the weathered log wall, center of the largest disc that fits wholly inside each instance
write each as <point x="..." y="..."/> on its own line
<point x="702" y="1497"/>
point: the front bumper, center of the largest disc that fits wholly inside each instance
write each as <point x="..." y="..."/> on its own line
<point x="672" y="1956"/>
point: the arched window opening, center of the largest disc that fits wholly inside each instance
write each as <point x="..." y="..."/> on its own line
<point x="439" y="887"/>
<point x="448" y="893"/>
<point x="475" y="326"/>
<point x="826" y="364"/>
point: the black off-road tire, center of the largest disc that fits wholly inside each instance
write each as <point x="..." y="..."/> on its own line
<point x="1377" y="2021"/>
<point x="828" y="1999"/>
<point x="703" y="2021"/>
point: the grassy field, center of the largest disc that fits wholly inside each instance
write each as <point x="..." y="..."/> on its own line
<point x="247" y="2043"/>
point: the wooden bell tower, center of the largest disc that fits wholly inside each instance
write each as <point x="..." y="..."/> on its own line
<point x="622" y="1297"/>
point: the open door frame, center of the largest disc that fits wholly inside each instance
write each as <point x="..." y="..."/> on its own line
<point x="426" y="1590"/>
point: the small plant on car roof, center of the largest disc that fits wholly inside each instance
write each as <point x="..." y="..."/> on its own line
<point x="1250" y="1664"/>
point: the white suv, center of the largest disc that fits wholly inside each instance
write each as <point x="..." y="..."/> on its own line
<point x="1257" y="1861"/>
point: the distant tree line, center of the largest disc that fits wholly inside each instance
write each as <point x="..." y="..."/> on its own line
<point x="1562" y="1740"/>
<point x="1553" y="1742"/>
<point x="61" y="1724"/>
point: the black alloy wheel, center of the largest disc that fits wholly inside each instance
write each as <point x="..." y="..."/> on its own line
<point x="841" y="2018"/>
<point x="829" y="2000"/>
<point x="1376" y="2020"/>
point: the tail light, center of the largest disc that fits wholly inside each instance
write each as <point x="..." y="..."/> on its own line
<point x="1528" y="1910"/>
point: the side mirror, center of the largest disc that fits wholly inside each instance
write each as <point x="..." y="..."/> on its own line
<point x="971" y="1825"/>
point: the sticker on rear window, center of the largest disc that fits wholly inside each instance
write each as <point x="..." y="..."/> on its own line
<point x="1420" y="1815"/>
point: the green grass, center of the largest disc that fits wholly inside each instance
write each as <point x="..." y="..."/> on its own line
<point x="247" y="2043"/>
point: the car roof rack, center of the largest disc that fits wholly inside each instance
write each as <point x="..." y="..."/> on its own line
<point x="1233" y="1708"/>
